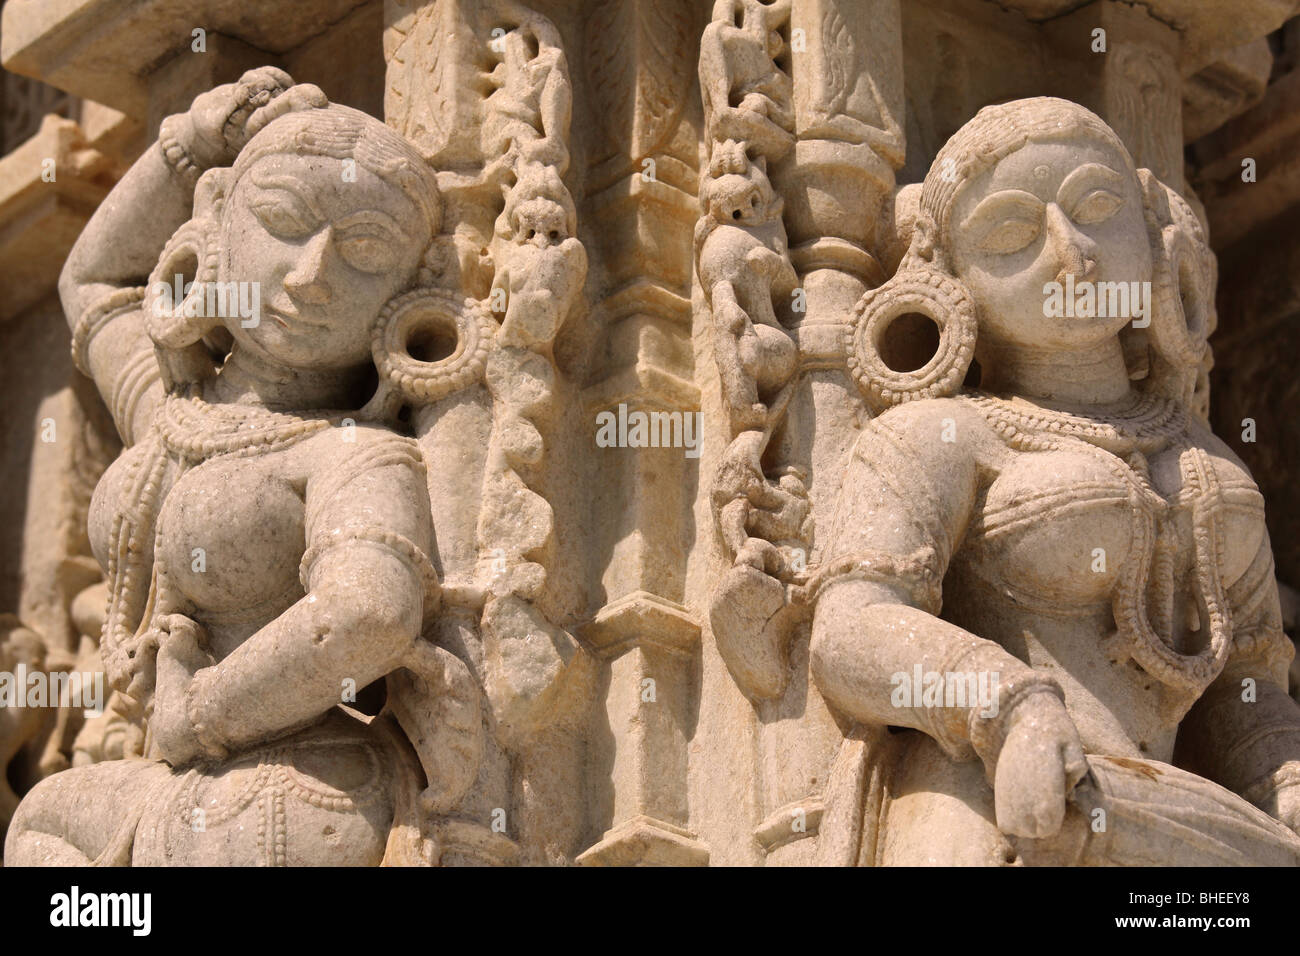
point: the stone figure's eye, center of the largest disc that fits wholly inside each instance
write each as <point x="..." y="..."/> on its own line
<point x="1098" y="206"/>
<point x="1092" y="194"/>
<point x="367" y="252"/>
<point x="1010" y="235"/>
<point x="284" y="217"/>
<point x="370" y="241"/>
<point x="1005" y="222"/>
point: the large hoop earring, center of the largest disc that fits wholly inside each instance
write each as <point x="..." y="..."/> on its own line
<point x="1183" y="296"/>
<point x="424" y="317"/>
<point x="191" y="253"/>
<point x="915" y="288"/>
<point x="1183" y="280"/>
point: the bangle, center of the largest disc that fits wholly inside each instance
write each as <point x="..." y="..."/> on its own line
<point x="405" y="549"/>
<point x="178" y="157"/>
<point x="212" y="747"/>
<point x="92" y="321"/>
<point x="987" y="734"/>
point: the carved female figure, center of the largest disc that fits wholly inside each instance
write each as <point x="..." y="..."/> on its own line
<point x="266" y="536"/>
<point x="1066" y="537"/>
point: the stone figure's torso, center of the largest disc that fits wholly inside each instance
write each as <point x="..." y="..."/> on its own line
<point x="232" y="530"/>
<point x="1053" y="534"/>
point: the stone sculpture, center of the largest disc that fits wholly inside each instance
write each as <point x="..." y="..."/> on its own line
<point x="1077" y="536"/>
<point x="268" y="534"/>
<point x="21" y="651"/>
<point x="917" y="546"/>
<point x="742" y="257"/>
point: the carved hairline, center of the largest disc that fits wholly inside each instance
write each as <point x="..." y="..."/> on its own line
<point x="993" y="134"/>
<point x="340" y="132"/>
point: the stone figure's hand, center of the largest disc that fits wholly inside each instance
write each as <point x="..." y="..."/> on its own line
<point x="180" y="656"/>
<point x="1288" y="807"/>
<point x="224" y="119"/>
<point x="1283" y="799"/>
<point x="1040" y="762"/>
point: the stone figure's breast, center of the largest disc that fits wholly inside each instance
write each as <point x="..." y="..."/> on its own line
<point x="231" y="536"/>
<point x="1055" y="525"/>
<point x="1226" y="493"/>
<point x="107" y="500"/>
<point x="1058" y="526"/>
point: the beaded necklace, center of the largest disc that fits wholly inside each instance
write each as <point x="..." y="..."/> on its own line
<point x="1143" y="601"/>
<point x="186" y="432"/>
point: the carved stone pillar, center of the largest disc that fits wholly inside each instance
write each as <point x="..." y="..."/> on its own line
<point x="834" y="87"/>
<point x="1129" y="75"/>
<point x="641" y="177"/>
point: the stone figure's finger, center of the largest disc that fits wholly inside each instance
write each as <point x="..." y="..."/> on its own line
<point x="304" y="96"/>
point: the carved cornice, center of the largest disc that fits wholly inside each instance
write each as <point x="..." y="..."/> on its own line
<point x="104" y="49"/>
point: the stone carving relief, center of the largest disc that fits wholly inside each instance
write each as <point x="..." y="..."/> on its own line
<point x="510" y="243"/>
<point x="268" y="519"/>
<point x="742" y="258"/>
<point x="21" y="651"/>
<point x="948" y="569"/>
<point x="1112" y="610"/>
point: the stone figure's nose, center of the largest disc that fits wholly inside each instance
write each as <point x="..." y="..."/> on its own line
<point x="1076" y="253"/>
<point x="306" y="283"/>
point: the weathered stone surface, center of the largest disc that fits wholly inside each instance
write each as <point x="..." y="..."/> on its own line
<point x="104" y="50"/>
<point x="600" y="433"/>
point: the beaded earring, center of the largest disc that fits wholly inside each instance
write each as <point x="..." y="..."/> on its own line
<point x="919" y="286"/>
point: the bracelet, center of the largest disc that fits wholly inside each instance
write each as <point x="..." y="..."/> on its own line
<point x="212" y="747"/>
<point x="987" y="734"/>
<point x="919" y="572"/>
<point x="402" y="546"/>
<point x="178" y="157"/>
<point x="92" y="321"/>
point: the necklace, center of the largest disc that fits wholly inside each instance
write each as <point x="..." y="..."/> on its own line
<point x="1121" y="437"/>
<point x="1143" y="423"/>
<point x="197" y="430"/>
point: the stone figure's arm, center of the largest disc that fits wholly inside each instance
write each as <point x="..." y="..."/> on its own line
<point x="367" y="578"/>
<point x="1244" y="732"/>
<point x="120" y="245"/>
<point x="102" y="285"/>
<point x="715" y="79"/>
<point x="908" y="496"/>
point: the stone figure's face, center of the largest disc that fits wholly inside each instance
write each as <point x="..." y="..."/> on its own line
<point x="740" y="199"/>
<point x="539" y="222"/>
<point x="328" y="244"/>
<point x="1044" y="213"/>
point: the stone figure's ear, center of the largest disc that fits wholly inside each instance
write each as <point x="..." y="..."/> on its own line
<point x="210" y="193"/>
<point x="1155" y="197"/>
<point x="897" y="224"/>
<point x="175" y="310"/>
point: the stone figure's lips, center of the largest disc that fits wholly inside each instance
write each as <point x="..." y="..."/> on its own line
<point x="288" y="320"/>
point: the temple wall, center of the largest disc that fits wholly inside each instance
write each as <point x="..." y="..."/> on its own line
<point x="653" y="753"/>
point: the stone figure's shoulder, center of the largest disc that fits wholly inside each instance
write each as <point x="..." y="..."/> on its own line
<point x="931" y="428"/>
<point x="347" y="450"/>
<point x="1204" y="438"/>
